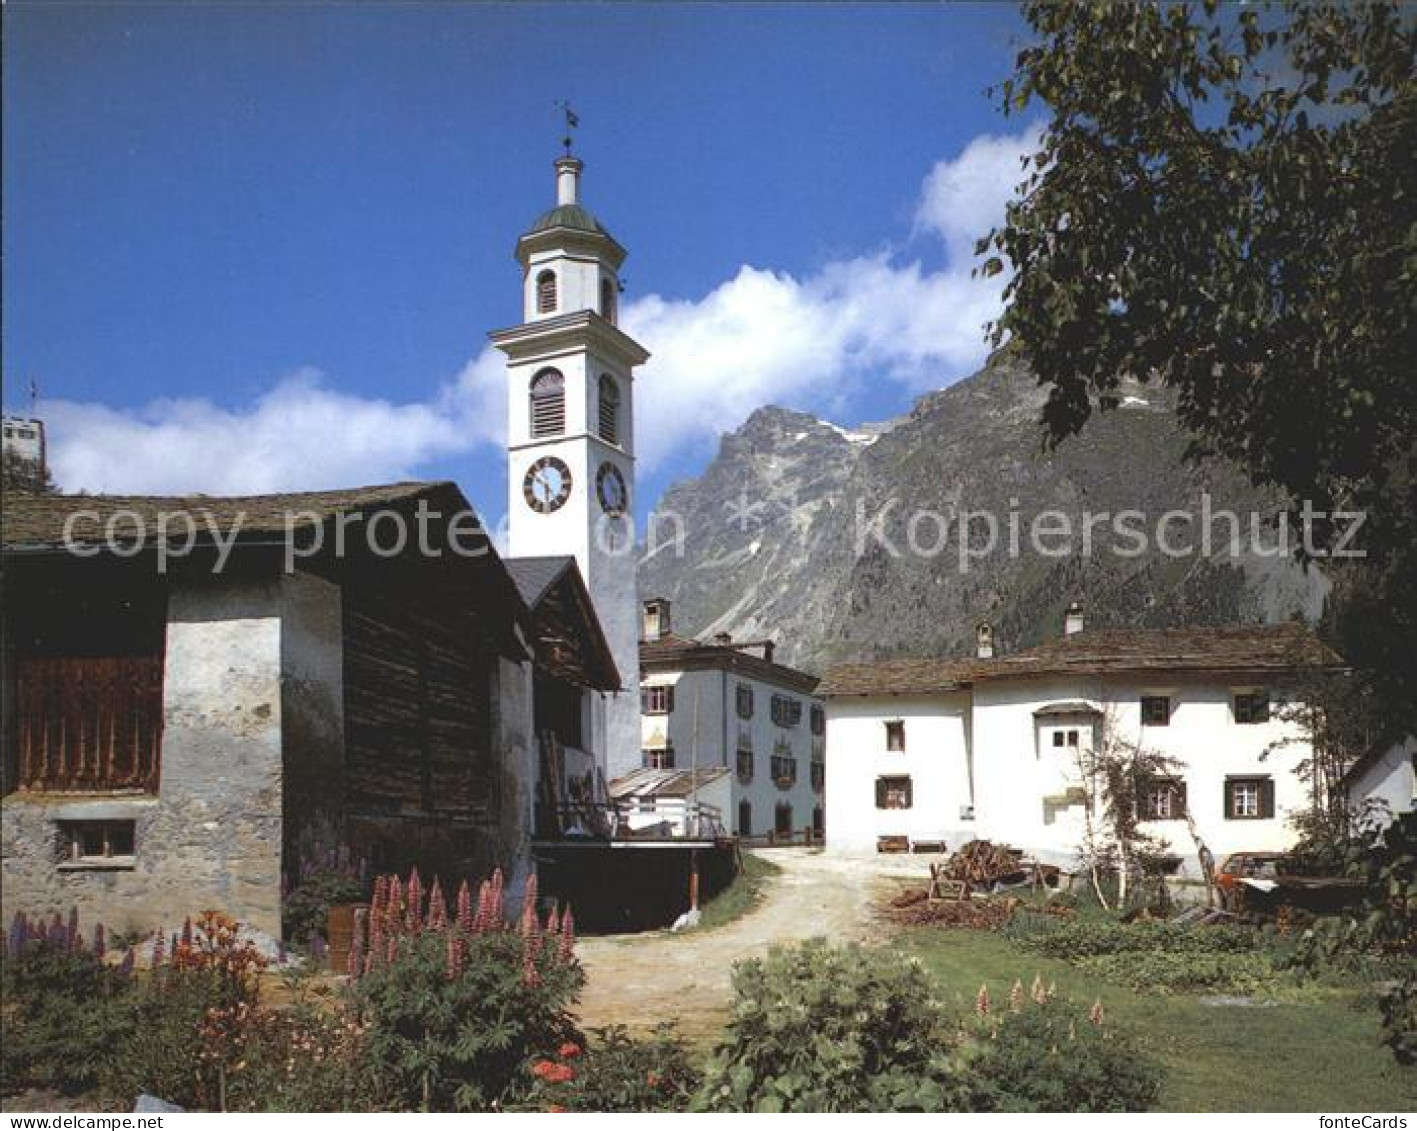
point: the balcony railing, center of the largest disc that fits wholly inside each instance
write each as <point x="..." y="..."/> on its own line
<point x="632" y="818"/>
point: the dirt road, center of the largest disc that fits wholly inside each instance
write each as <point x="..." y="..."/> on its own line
<point x="639" y="980"/>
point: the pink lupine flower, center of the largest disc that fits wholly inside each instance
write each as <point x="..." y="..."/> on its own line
<point x="356" y="944"/>
<point x="482" y="917"/>
<point x="464" y="909"/>
<point x="1040" y="995"/>
<point x="981" y="1001"/>
<point x="437" y="907"/>
<point x="568" y="935"/>
<point x="553" y="925"/>
<point x="415" y="902"/>
<point x="187" y="932"/>
<point x="1016" y="997"/>
<point x="1095" y="1014"/>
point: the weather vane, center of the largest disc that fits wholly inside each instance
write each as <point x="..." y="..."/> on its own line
<point x="572" y="123"/>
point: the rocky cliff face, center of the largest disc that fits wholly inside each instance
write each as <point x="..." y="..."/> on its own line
<point x="848" y="545"/>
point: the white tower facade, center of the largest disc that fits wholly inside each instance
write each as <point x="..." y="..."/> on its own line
<point x="571" y="431"/>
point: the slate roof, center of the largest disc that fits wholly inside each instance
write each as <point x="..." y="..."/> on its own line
<point x="665" y="783"/>
<point x="38" y="521"/>
<point x="1236" y="649"/>
<point x="672" y="652"/>
<point x="534" y="576"/>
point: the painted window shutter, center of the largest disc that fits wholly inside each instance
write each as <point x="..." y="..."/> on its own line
<point x="880" y="793"/>
<point x="1267" y="797"/>
<point x="1227" y="799"/>
<point x="1181" y="800"/>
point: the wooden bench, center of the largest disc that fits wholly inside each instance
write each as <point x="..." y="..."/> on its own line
<point x="892" y="844"/>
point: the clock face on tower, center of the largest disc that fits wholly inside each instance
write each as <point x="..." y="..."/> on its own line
<point x="547" y="485"/>
<point x="610" y="488"/>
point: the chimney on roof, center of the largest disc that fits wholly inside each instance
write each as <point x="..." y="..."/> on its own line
<point x="1072" y="619"/>
<point x="723" y="639"/>
<point x="768" y="649"/>
<point x="984" y="640"/>
<point x="656" y="624"/>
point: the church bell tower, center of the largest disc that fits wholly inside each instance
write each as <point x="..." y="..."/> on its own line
<point x="571" y="435"/>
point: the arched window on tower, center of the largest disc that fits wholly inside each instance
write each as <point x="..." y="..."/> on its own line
<point x="548" y="404"/>
<point x="609" y="409"/>
<point x="607" y="299"/>
<point x="546" y="292"/>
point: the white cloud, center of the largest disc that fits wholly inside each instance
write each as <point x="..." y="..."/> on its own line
<point x="299" y="435"/>
<point x="963" y="198"/>
<point x="761" y="337"/>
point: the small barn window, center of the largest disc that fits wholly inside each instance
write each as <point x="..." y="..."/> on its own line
<point x="548" y="404"/>
<point x="607" y="299"/>
<point x="546" y="292"/>
<point x="609" y="409"/>
<point x="98" y="842"/>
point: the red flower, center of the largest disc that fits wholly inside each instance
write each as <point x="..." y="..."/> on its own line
<point x="569" y="1051"/>
<point x="652" y="1079"/>
<point x="556" y="1108"/>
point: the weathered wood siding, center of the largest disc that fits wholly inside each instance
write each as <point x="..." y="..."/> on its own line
<point x="89" y="723"/>
<point x="417" y="715"/>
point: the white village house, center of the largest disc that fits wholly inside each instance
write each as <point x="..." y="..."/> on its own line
<point x="931" y="751"/>
<point x="1385" y="778"/>
<point x="753" y="728"/>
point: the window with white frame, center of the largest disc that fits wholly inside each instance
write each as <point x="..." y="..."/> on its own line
<point x="657" y="699"/>
<point x="895" y="736"/>
<point x="1249" y="798"/>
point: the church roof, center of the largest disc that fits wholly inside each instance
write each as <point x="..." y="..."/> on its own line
<point x="568" y="216"/>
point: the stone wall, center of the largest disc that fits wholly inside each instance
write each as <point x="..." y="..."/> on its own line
<point x="212" y="836"/>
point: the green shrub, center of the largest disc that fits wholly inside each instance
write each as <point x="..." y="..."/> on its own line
<point x="1180" y="971"/>
<point x="1398" y="1006"/>
<point x="819" y="1028"/>
<point x="307" y="909"/>
<point x="59" y="1006"/>
<point x="442" y="1042"/>
<point x="1047" y="1057"/>
<point x="616" y="1072"/>
<point x="1083" y="938"/>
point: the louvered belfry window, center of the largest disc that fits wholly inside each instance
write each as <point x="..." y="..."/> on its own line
<point x="546" y="292"/>
<point x="548" y="404"/>
<point x="609" y="409"/>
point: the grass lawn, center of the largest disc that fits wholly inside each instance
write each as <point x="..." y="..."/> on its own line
<point x="1322" y="1055"/>
<point x="741" y="896"/>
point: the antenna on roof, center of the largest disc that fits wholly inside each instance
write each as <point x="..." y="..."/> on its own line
<point x="34" y="397"/>
<point x="573" y="123"/>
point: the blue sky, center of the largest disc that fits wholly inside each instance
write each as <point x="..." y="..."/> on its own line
<point x="259" y="247"/>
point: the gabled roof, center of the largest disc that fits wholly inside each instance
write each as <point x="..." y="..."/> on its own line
<point x="569" y="640"/>
<point x="1227" y="650"/>
<point x="672" y="652"/>
<point x="534" y="576"/>
<point x="38" y="521"/>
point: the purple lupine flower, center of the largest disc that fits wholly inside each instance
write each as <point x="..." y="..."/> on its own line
<point x="73" y="926"/>
<point x="100" y="942"/>
<point x="129" y="961"/>
<point x="19" y="935"/>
